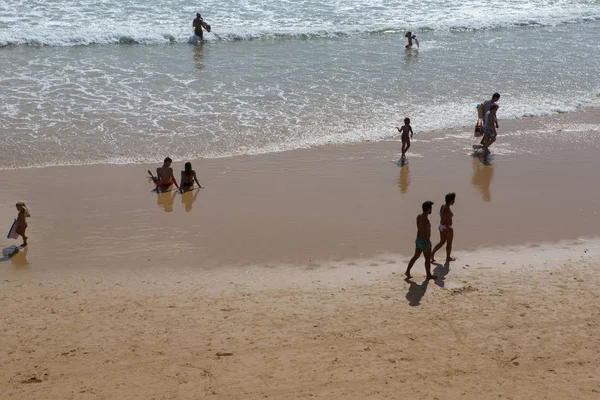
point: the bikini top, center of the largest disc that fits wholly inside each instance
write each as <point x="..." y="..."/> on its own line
<point x="442" y="209"/>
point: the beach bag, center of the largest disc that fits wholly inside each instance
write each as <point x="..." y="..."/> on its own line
<point x="480" y="108"/>
<point x="479" y="128"/>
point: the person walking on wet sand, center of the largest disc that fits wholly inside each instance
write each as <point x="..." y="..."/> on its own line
<point x="404" y="131"/>
<point x="446" y="229"/>
<point x="489" y="128"/>
<point x="487" y="106"/>
<point x="423" y="241"/>
<point x="21" y="223"/>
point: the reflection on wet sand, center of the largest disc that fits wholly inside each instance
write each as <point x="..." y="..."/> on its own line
<point x="189" y="197"/>
<point x="199" y="55"/>
<point x="404" y="179"/>
<point x="166" y="199"/>
<point x="483" y="172"/>
<point x="18" y="255"/>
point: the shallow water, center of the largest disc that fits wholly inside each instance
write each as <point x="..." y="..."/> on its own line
<point x="312" y="74"/>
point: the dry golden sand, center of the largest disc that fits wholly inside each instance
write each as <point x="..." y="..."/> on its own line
<point x="485" y="330"/>
<point x="283" y="278"/>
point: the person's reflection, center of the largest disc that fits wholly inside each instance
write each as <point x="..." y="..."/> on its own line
<point x="411" y="55"/>
<point x="199" y="55"/>
<point x="165" y="200"/>
<point x="404" y="179"/>
<point x="19" y="257"/>
<point x="189" y="197"/>
<point x="483" y="172"/>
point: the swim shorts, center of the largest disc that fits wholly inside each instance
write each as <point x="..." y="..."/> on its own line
<point x="421" y="244"/>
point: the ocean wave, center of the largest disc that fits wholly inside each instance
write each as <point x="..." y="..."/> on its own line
<point x="133" y="22"/>
<point x="149" y="38"/>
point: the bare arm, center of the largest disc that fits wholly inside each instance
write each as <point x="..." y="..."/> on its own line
<point x="157" y="179"/>
<point x="173" y="177"/>
<point x="196" y="180"/>
<point x="411" y="132"/>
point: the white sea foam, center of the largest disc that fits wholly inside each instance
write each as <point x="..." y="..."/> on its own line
<point x="85" y="22"/>
<point x="68" y="105"/>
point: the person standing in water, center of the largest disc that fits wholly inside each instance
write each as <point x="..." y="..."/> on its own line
<point x="423" y="241"/>
<point x="198" y="24"/>
<point x="404" y="131"/>
<point x="411" y="37"/>
<point x="188" y="177"/>
<point x="446" y="229"/>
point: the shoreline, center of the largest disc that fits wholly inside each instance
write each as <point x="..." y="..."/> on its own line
<point x="284" y="277"/>
<point x="582" y="111"/>
<point x="322" y="204"/>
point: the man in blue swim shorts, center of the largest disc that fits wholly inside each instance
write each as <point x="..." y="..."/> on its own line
<point x="423" y="241"/>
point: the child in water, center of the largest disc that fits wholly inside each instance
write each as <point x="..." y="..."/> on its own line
<point x="21" y="225"/>
<point x="404" y="131"/>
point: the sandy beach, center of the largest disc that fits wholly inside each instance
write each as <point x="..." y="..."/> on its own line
<point x="282" y="278"/>
<point x="509" y="325"/>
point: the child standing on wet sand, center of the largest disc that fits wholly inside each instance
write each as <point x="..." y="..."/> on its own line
<point x="21" y="225"/>
<point x="404" y="131"/>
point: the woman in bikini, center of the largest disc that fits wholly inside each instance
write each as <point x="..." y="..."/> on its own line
<point x="188" y="177"/>
<point x="446" y="229"/>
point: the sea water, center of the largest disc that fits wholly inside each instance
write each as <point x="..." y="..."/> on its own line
<point x="84" y="82"/>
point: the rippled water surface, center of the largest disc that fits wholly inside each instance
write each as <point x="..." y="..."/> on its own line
<point x="112" y="82"/>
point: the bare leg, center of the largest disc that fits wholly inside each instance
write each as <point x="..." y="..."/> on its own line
<point x="412" y="262"/>
<point x="21" y="232"/>
<point x="440" y="244"/>
<point x="450" y="238"/>
<point x="428" y="265"/>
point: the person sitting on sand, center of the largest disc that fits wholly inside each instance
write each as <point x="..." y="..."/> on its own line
<point x="489" y="128"/>
<point x="188" y="177"/>
<point x="446" y="229"/>
<point x="404" y="131"/>
<point x="164" y="178"/>
<point x="423" y="241"/>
